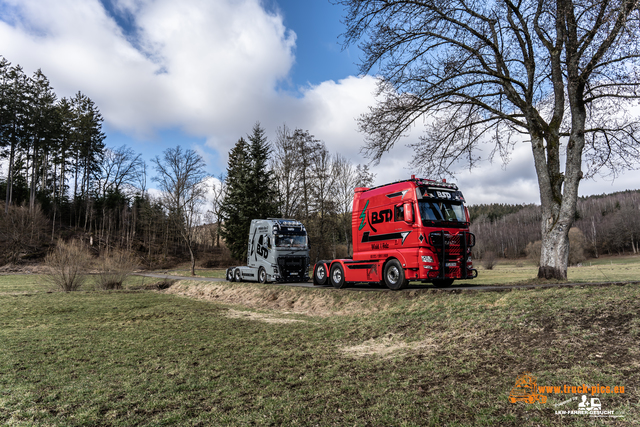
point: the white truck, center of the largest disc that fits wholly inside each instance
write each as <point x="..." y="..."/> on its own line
<point x="278" y="252"/>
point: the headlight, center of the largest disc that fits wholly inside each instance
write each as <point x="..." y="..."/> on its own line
<point x="426" y="258"/>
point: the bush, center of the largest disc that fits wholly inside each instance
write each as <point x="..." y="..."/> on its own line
<point x="489" y="260"/>
<point x="533" y="251"/>
<point x="577" y="245"/>
<point x="114" y="269"/>
<point x="218" y="257"/>
<point x="67" y="265"/>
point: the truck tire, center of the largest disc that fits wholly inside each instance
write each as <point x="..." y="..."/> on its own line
<point x="337" y="276"/>
<point x="393" y="275"/>
<point x="237" y="275"/>
<point x="230" y="277"/>
<point x="320" y="274"/>
<point x="262" y="275"/>
<point x="442" y="283"/>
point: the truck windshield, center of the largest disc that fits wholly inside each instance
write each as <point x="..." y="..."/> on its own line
<point x="291" y="241"/>
<point x="442" y="211"/>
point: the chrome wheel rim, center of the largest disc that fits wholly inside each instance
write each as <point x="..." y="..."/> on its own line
<point x="337" y="275"/>
<point x="393" y="275"/>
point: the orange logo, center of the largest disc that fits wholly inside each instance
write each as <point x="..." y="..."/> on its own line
<point x="526" y="390"/>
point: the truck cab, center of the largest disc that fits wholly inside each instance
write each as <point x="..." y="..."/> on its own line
<point x="278" y="251"/>
<point x="416" y="230"/>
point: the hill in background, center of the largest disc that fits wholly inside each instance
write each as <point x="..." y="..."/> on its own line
<point x="605" y="224"/>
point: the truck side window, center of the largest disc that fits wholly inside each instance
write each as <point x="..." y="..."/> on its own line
<point x="398" y="213"/>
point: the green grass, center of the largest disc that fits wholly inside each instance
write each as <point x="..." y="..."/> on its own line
<point x="604" y="269"/>
<point x="216" y="273"/>
<point x="29" y="283"/>
<point x="148" y="358"/>
<point x="14" y="283"/>
<point x="609" y="269"/>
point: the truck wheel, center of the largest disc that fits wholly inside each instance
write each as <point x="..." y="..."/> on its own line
<point x="262" y="275"/>
<point x="320" y="274"/>
<point x="337" y="276"/>
<point x="230" y="277"/>
<point x="394" y="275"/>
<point x="237" y="275"/>
<point x="443" y="283"/>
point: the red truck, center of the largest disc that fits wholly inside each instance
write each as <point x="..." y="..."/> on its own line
<point x="417" y="230"/>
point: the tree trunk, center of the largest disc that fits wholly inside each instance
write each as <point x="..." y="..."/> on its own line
<point x="9" y="195"/>
<point x="193" y="260"/>
<point x="32" y="182"/>
<point x="554" y="256"/>
<point x="554" y="253"/>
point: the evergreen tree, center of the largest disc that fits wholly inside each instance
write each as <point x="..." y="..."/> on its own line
<point x="15" y="111"/>
<point x="88" y="147"/>
<point x="235" y="206"/>
<point x="251" y="191"/>
<point x="42" y="132"/>
<point x="260" y="180"/>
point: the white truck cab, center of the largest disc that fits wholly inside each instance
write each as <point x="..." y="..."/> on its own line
<point x="278" y="252"/>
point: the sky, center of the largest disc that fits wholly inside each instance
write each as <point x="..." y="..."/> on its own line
<point x="201" y="73"/>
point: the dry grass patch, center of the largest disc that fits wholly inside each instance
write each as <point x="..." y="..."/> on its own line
<point x="388" y="346"/>
<point x="260" y="317"/>
<point x="312" y="302"/>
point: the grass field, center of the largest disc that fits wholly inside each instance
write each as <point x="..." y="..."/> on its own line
<point x="414" y="358"/>
<point x="604" y="269"/>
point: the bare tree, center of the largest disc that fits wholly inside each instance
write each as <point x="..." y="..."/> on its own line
<point x="345" y="181"/>
<point x="120" y="167"/>
<point x="307" y="150"/>
<point x="321" y="201"/>
<point x="561" y="72"/>
<point x="286" y="170"/>
<point x="181" y="178"/>
<point x="218" y="191"/>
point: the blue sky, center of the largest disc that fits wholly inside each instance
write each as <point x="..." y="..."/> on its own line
<point x="201" y="73"/>
<point x="319" y="53"/>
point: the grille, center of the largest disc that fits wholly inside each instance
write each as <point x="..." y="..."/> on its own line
<point x="452" y="248"/>
<point x="293" y="267"/>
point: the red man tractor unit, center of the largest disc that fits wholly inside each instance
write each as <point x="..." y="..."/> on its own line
<point x="415" y="230"/>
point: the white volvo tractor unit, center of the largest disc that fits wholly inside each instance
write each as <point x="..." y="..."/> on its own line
<point x="278" y="252"/>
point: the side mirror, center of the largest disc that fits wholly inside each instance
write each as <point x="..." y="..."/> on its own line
<point x="408" y="212"/>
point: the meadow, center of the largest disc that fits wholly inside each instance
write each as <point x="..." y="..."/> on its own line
<point x="603" y="269"/>
<point x="146" y="357"/>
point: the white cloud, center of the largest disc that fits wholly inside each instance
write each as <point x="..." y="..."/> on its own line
<point x="197" y="64"/>
<point x="212" y="69"/>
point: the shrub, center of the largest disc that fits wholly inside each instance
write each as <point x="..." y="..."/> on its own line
<point x="577" y="245"/>
<point x="67" y="265"/>
<point x="114" y="269"/>
<point x="533" y="251"/>
<point x="489" y="260"/>
<point x="218" y="256"/>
